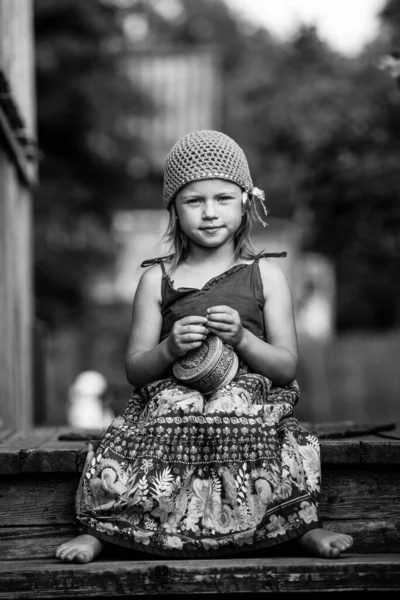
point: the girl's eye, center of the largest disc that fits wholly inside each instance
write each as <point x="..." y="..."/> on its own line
<point x="224" y="198"/>
<point x="193" y="200"/>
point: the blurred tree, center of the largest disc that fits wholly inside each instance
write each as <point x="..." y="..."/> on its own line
<point x="82" y="96"/>
<point x="390" y="16"/>
<point x="183" y="23"/>
<point x="353" y="190"/>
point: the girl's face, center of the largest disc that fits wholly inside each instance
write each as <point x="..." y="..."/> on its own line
<point x="210" y="211"/>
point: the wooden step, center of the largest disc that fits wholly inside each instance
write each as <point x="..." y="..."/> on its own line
<point x="112" y="579"/>
<point x="39" y="477"/>
<point x="40" y="474"/>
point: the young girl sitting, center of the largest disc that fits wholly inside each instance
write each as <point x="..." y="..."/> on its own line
<point x="190" y="473"/>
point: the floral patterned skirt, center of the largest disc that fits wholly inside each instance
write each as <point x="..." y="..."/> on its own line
<point x="181" y="475"/>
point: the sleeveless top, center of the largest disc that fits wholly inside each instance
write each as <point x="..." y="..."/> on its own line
<point x="240" y="287"/>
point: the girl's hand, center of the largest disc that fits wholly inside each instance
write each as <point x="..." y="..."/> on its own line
<point x="186" y="334"/>
<point x="225" y="322"/>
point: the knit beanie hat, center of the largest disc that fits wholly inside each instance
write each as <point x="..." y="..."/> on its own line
<point x="205" y="154"/>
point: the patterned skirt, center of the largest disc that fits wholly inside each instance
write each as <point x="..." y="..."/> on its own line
<point x="181" y="475"/>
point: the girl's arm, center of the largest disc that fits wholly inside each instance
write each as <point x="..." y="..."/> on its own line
<point x="146" y="359"/>
<point x="276" y="359"/>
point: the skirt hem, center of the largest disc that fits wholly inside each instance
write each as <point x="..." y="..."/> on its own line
<point x="202" y="553"/>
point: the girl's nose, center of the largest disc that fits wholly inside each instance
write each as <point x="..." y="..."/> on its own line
<point x="209" y="209"/>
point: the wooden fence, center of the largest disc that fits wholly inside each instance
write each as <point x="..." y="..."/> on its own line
<point x="354" y="376"/>
<point x="17" y="174"/>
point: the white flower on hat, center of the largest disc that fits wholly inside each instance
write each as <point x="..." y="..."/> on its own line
<point x="260" y="194"/>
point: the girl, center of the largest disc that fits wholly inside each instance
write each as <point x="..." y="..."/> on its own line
<point x="179" y="473"/>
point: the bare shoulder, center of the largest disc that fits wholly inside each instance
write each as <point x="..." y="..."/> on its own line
<point x="150" y="282"/>
<point x="272" y="275"/>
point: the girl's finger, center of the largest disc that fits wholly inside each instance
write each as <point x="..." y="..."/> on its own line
<point x="220" y="327"/>
<point x="194" y="345"/>
<point x="220" y="317"/>
<point x="195" y="329"/>
<point x="220" y="309"/>
<point x="192" y="337"/>
<point x="193" y="320"/>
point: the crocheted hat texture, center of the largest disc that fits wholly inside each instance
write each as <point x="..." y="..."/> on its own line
<point x="205" y="154"/>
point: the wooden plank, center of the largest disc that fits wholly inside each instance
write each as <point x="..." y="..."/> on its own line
<point x="23" y="263"/>
<point x="371" y="536"/>
<point x="27" y="501"/>
<point x="363" y="503"/>
<point x="360" y="493"/>
<point x="345" y="368"/>
<point x="65" y="460"/>
<point x="40" y="542"/>
<point x="28" y="543"/>
<point x="39" y="451"/>
<point x="360" y="451"/>
<point x="53" y="579"/>
<point x="17" y="62"/>
<point x="15" y="150"/>
<point x="50" y="461"/>
<point x="10" y="461"/>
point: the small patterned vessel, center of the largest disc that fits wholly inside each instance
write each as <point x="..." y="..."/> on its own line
<point x="209" y="367"/>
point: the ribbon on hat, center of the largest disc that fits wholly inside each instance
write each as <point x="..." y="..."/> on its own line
<point x="258" y="196"/>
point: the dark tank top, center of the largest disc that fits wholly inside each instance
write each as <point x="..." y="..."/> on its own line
<point x="240" y="287"/>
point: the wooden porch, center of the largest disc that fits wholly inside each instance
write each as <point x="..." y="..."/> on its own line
<point x="39" y="475"/>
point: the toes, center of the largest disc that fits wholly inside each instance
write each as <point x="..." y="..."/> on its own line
<point x="339" y="546"/>
<point x="350" y="541"/>
<point x="342" y="544"/>
<point x="59" y="552"/>
<point x="82" y="557"/>
<point x="69" y="556"/>
<point x="66" y="554"/>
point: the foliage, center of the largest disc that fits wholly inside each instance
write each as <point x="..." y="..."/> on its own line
<point x="354" y="195"/>
<point x="82" y="95"/>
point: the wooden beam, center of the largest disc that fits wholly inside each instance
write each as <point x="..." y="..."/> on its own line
<point x="16" y="151"/>
<point x="105" y="579"/>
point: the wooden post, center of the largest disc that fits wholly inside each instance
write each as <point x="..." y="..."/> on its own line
<point x="17" y="173"/>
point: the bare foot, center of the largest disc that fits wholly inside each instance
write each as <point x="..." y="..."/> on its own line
<point x="324" y="543"/>
<point x="81" y="549"/>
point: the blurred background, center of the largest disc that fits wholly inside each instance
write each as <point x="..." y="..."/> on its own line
<point x="296" y="84"/>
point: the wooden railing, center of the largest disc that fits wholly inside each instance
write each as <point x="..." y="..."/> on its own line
<point x="17" y="176"/>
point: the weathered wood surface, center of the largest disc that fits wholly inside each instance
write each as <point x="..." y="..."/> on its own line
<point x="360" y="491"/>
<point x="236" y="575"/>
<point x="37" y="501"/>
<point x="40" y="542"/>
<point x="22" y="543"/>
<point x="48" y="498"/>
<point x="360" y="496"/>
<point x="16" y="172"/>
<point x="41" y="450"/>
